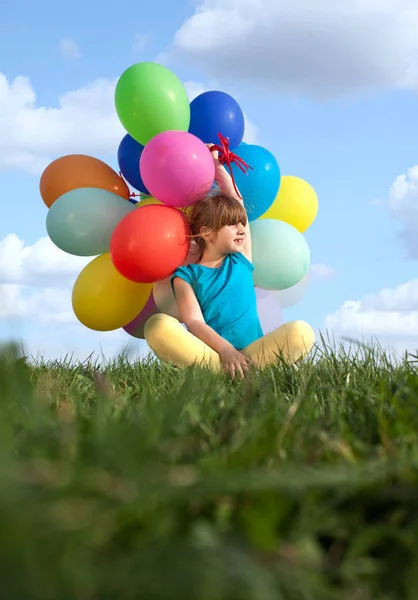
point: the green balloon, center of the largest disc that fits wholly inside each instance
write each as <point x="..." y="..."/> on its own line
<point x="150" y="99"/>
<point x="81" y="222"/>
<point x="281" y="254"/>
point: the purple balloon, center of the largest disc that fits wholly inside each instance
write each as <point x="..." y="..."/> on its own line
<point x="136" y="327"/>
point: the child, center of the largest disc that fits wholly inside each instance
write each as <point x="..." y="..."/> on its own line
<point x="216" y="296"/>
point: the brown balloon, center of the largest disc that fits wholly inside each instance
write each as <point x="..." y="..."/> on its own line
<point x="76" y="171"/>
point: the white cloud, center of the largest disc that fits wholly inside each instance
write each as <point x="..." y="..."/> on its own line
<point x="322" y="271"/>
<point x="35" y="301"/>
<point x="326" y="48"/>
<point x="391" y="316"/>
<point x="141" y="41"/>
<point x="12" y="305"/>
<point x="403" y="196"/>
<point x="85" y="121"/>
<point x="403" y="205"/>
<point x="163" y="58"/>
<point x="41" y="264"/>
<point x="31" y="136"/>
<point x="36" y="280"/>
<point x="69" y="49"/>
<point x="194" y="89"/>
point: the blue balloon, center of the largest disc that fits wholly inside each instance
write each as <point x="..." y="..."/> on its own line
<point x="129" y="154"/>
<point x="259" y="186"/>
<point x="216" y="112"/>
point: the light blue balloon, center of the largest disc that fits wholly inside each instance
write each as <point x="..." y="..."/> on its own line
<point x="281" y="255"/>
<point x="259" y="186"/>
<point x="81" y="222"/>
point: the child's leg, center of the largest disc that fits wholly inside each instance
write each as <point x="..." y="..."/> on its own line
<point x="294" y="340"/>
<point x="172" y="343"/>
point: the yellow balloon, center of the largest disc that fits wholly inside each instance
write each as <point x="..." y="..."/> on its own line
<point x="296" y="203"/>
<point x="150" y="200"/>
<point x="103" y="300"/>
<point x="146" y="201"/>
<point x="187" y="210"/>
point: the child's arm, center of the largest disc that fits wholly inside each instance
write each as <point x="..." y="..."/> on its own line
<point x="225" y="184"/>
<point x="192" y="317"/>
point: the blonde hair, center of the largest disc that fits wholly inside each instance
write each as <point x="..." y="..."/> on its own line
<point x="214" y="212"/>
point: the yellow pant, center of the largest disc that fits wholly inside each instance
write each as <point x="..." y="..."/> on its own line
<point x="172" y="343"/>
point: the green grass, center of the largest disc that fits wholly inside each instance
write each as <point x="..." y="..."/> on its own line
<point x="143" y="481"/>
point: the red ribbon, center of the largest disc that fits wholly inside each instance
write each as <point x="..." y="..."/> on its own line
<point x="226" y="157"/>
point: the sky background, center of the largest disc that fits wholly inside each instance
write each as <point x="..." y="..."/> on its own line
<point x="330" y="88"/>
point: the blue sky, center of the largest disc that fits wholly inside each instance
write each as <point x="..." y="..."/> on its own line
<point x="327" y="96"/>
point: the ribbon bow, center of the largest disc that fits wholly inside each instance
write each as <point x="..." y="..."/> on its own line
<point x="226" y="157"/>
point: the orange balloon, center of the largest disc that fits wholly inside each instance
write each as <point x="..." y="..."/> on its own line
<point x="76" y="171"/>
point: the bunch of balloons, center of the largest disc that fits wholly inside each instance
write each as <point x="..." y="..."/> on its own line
<point x="136" y="245"/>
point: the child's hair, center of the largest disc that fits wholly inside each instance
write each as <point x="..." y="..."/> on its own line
<point x="214" y="212"/>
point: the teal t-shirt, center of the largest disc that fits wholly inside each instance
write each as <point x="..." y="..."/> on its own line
<point x="227" y="298"/>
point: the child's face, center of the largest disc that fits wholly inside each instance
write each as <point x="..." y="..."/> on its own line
<point x="229" y="239"/>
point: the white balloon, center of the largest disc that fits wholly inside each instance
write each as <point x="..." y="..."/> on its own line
<point x="294" y="294"/>
<point x="260" y="293"/>
<point x="269" y="313"/>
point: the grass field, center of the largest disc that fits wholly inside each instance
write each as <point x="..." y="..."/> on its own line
<point x="147" y="482"/>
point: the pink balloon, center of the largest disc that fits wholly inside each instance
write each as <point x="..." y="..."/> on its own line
<point x="136" y="327"/>
<point x="177" y="168"/>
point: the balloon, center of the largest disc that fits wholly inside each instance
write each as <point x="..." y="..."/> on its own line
<point x="296" y="203"/>
<point x="281" y="255"/>
<point x="216" y="112"/>
<point x="150" y="99"/>
<point x="82" y="221"/>
<point x="150" y="243"/>
<point x="129" y="153"/>
<point x="79" y="171"/>
<point x="136" y="327"/>
<point x="260" y="293"/>
<point x="269" y="313"/>
<point x="150" y="200"/>
<point x="177" y="168"/>
<point x="259" y="186"/>
<point x="294" y="294"/>
<point x="162" y="291"/>
<point x="103" y="300"/>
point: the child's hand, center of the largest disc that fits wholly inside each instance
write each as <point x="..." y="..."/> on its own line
<point x="234" y="362"/>
<point x="214" y="153"/>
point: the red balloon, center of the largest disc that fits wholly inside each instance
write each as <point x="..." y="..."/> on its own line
<point x="150" y="243"/>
